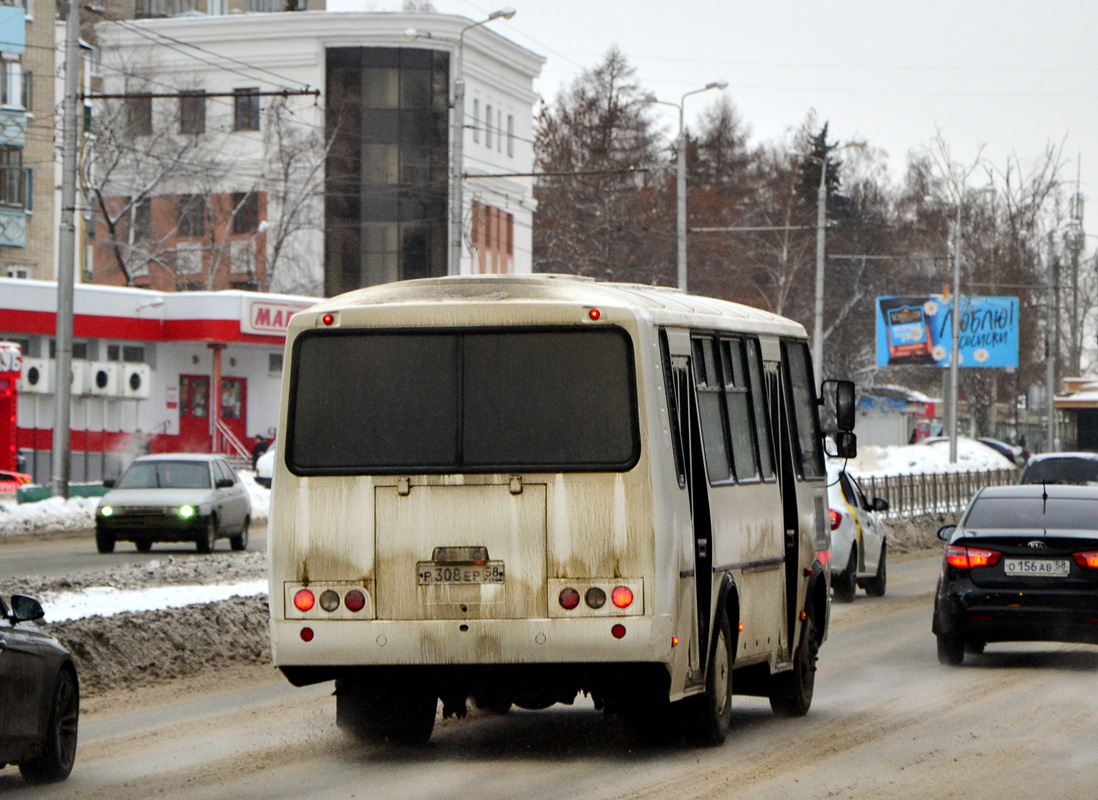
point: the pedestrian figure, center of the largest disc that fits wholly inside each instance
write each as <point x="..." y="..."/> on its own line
<point x="259" y="448"/>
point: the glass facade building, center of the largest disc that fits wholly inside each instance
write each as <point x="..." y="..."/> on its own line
<point x="388" y="166"/>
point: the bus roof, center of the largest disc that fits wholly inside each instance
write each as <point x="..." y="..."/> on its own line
<point x="660" y="304"/>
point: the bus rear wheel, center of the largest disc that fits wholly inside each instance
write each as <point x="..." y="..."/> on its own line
<point x="791" y="692"/>
<point x="708" y="717"/>
<point x="379" y="711"/>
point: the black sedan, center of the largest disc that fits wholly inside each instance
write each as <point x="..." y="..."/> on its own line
<point x="1022" y="565"/>
<point x="39" y="696"/>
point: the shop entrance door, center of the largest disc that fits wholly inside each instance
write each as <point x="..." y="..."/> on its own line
<point x="234" y="406"/>
<point x="194" y="414"/>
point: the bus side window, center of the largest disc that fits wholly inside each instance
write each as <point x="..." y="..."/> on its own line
<point x="710" y="411"/>
<point x="737" y="398"/>
<point x="763" y="434"/>
<point x="801" y="395"/>
<point x="673" y="407"/>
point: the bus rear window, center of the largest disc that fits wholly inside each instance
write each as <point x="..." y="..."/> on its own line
<point x="462" y="401"/>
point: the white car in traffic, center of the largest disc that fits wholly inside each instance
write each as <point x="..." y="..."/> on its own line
<point x="859" y="542"/>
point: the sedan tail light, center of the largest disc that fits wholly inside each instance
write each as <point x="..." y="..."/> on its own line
<point x="1088" y="559"/>
<point x="836" y="518"/>
<point x="963" y="557"/>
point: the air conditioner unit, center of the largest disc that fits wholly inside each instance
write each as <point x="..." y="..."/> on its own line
<point x="37" y="376"/>
<point x="103" y="379"/>
<point x="79" y="378"/>
<point x="135" y="381"/>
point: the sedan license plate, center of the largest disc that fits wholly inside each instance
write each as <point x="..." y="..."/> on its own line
<point x="430" y="573"/>
<point x="1037" y="567"/>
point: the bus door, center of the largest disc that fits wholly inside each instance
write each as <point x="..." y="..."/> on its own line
<point x="697" y="487"/>
<point x="780" y="424"/>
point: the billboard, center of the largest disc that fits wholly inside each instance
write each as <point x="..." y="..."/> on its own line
<point x="918" y="330"/>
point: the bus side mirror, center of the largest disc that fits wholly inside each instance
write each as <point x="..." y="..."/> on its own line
<point x="846" y="445"/>
<point x="844" y="405"/>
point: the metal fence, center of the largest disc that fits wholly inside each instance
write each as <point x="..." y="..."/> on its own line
<point x="937" y="493"/>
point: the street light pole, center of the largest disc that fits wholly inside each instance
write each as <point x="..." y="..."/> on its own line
<point x="821" y="230"/>
<point x="680" y="193"/>
<point x="61" y="453"/>
<point x="955" y="349"/>
<point x="457" y="199"/>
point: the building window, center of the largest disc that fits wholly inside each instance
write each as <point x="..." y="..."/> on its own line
<point x="245" y="212"/>
<point x="142" y="219"/>
<point x="139" y="115"/>
<point x="511" y="135"/>
<point x="79" y="349"/>
<point x="28" y="185"/>
<point x="499" y="131"/>
<point x="242" y="257"/>
<point x="27" y="91"/>
<point x="192" y="215"/>
<point x="12" y="187"/>
<point x="192" y="113"/>
<point x="18" y="272"/>
<point x="476" y="121"/>
<point x="488" y="127"/>
<point x="188" y="258"/>
<point x="274" y="363"/>
<point x="246" y="106"/>
<point x="149" y="9"/>
<point x="10" y="83"/>
<point x="133" y="353"/>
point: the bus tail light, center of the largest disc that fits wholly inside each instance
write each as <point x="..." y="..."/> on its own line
<point x="622" y="597"/>
<point x="306" y="634"/>
<point x="304" y="600"/>
<point x="354" y="600"/>
<point x="569" y="598"/>
<point x="329" y="600"/>
<point x="618" y="631"/>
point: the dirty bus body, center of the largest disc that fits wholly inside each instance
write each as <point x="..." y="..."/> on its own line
<point x="515" y="489"/>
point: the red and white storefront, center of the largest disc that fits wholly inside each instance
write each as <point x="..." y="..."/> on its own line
<point x="171" y="371"/>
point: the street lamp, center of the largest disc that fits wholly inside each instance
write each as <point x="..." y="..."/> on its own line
<point x="680" y="173"/>
<point x="821" y="227"/>
<point x="955" y="346"/>
<point x="456" y="198"/>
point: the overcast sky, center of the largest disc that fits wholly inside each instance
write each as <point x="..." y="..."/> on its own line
<point x="1009" y="74"/>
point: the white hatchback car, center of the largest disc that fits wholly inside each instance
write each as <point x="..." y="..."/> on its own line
<point x="264" y="467"/>
<point x="859" y="542"/>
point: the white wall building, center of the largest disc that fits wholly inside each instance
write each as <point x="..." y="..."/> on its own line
<point x="379" y="209"/>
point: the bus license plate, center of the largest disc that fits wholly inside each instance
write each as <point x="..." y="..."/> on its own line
<point x="428" y="573"/>
<point x="1037" y="567"/>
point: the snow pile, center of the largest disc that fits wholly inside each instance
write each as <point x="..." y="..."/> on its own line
<point x="53" y="514"/>
<point x="972" y="456"/>
<point x="106" y="600"/>
<point x="78" y="513"/>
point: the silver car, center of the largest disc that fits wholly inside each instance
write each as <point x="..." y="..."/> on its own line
<point x="174" y="497"/>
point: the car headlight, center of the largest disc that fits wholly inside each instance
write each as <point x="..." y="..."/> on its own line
<point x="106" y="511"/>
<point x="186" y="512"/>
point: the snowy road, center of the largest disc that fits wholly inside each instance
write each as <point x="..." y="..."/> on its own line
<point x="887" y="720"/>
<point x="52" y="557"/>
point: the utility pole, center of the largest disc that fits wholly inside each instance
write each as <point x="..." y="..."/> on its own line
<point x="66" y="263"/>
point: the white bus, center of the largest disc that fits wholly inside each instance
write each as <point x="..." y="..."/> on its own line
<point x="517" y="489"/>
